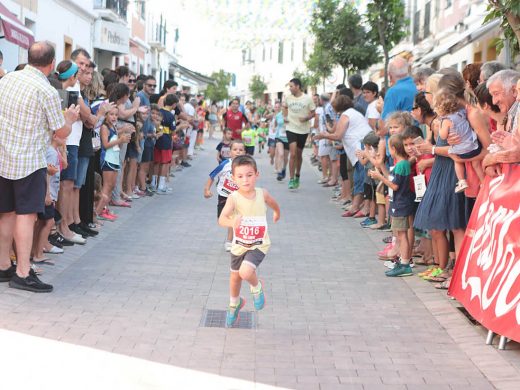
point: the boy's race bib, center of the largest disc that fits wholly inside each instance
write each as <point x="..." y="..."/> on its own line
<point x="226" y="185"/>
<point x="251" y="232"/>
<point x="419" y="182"/>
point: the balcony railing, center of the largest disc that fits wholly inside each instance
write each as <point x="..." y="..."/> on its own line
<point x="119" y="7"/>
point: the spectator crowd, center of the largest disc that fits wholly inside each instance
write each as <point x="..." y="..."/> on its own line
<point x="77" y="142"/>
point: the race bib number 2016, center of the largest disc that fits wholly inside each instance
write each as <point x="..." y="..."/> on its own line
<point x="251" y="231"/>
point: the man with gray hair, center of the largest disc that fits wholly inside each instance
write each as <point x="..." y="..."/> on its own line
<point x="489" y="68"/>
<point x="502" y="87"/>
<point x="30" y="115"/>
<point x="401" y="95"/>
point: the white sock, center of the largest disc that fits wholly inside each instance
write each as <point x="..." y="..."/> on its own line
<point x="154" y="181"/>
<point x="257" y="288"/>
<point x="161" y="182"/>
<point x="233" y="301"/>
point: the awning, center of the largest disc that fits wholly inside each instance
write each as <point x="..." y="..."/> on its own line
<point x="197" y="77"/>
<point x="13" y="30"/>
<point x="458" y="42"/>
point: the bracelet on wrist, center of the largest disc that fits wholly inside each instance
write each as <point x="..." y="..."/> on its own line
<point x="433" y="150"/>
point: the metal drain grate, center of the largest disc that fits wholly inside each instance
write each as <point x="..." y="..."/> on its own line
<point x="217" y="319"/>
<point x="469" y="316"/>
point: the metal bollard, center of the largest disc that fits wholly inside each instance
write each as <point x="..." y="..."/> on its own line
<point x="490" y="337"/>
<point x="502" y="343"/>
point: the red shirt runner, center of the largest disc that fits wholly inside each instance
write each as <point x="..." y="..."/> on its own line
<point x="235" y="121"/>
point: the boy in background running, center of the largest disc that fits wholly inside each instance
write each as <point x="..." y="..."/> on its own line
<point x="249" y="136"/>
<point x="224" y="147"/>
<point x="225" y="184"/>
<point x="245" y="211"/>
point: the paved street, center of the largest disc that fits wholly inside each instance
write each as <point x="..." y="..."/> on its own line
<point x="135" y="297"/>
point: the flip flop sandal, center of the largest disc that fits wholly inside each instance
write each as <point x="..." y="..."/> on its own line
<point x="44" y="260"/>
<point x="435" y="279"/>
<point x="443" y="286"/>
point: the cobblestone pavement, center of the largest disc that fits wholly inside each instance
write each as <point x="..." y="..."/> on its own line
<point x="136" y="294"/>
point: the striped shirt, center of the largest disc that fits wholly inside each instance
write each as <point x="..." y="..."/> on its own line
<point x="30" y="110"/>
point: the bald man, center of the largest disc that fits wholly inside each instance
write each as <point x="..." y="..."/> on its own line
<point x="401" y="95"/>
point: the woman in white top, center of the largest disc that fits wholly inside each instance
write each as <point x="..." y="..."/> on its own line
<point x="351" y="129"/>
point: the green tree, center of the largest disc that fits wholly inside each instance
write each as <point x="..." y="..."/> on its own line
<point x="508" y="11"/>
<point x="338" y="29"/>
<point x="388" y="26"/>
<point x="319" y="64"/>
<point x="218" y="91"/>
<point x="257" y="86"/>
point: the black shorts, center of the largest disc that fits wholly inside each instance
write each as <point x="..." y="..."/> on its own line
<point x="48" y="213"/>
<point x="147" y="154"/>
<point x="473" y="153"/>
<point x="200" y="131"/>
<point x="250" y="150"/>
<point x="285" y="144"/>
<point x="300" y="139"/>
<point x="220" y="204"/>
<point x="25" y="195"/>
<point x="343" y="171"/>
<point x="369" y="191"/>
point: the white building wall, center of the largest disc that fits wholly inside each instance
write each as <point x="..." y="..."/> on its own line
<point x="59" y="18"/>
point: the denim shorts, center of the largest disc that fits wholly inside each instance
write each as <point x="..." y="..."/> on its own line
<point x="359" y="179"/>
<point x="81" y="175"/>
<point x="71" y="172"/>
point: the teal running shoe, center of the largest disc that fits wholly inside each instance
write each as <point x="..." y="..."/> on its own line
<point x="258" y="297"/>
<point x="400" y="270"/>
<point x="292" y="184"/>
<point x="233" y="313"/>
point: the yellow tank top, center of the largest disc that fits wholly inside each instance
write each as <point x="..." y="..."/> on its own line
<point x="252" y="232"/>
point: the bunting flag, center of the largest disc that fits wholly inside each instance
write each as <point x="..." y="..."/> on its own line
<point x="244" y="23"/>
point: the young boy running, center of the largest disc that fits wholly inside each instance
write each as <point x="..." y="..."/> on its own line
<point x="224" y="147"/>
<point x="225" y="183"/>
<point x="402" y="205"/>
<point x="245" y="212"/>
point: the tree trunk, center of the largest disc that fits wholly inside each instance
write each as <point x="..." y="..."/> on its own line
<point x="387" y="60"/>
<point x="514" y="22"/>
<point x="344" y="75"/>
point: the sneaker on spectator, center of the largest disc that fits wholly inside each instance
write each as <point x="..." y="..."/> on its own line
<point x="30" y="283"/>
<point x="106" y="216"/>
<point x="400" y="270"/>
<point x="54" y="250"/>
<point x="57" y="240"/>
<point x="391" y="263"/>
<point x="233" y="312"/>
<point x="368" y="222"/>
<point x="86" y="228"/>
<point x="77" y="239"/>
<point x="6" y="275"/>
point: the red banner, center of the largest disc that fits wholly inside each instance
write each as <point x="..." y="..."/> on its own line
<point x="486" y="279"/>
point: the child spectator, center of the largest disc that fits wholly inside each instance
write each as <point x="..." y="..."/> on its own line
<point x="163" y="146"/>
<point x="245" y="212"/>
<point x="156" y="116"/>
<point x="402" y="205"/>
<point x="454" y="120"/>
<point x="224" y="147"/>
<point x="110" y="141"/>
<point x="371" y="143"/>
<point x="45" y="221"/>
<point x="225" y="184"/>
<point x="149" y="135"/>
<point x="249" y="136"/>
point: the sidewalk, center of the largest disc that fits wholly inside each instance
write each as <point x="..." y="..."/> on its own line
<point x="136" y="295"/>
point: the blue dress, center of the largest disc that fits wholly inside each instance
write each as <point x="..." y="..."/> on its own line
<point x="441" y="208"/>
